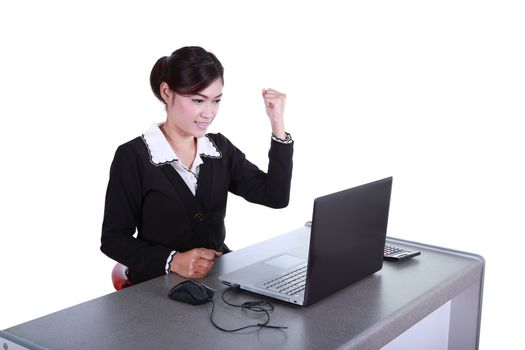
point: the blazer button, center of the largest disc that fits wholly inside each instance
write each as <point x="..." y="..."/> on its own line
<point x="198" y="217"/>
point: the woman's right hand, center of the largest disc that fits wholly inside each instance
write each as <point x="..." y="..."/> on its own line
<point x="195" y="263"/>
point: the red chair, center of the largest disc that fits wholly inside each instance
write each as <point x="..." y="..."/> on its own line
<point x="119" y="276"/>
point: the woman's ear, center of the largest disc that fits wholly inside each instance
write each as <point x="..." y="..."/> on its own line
<point x="165" y="92"/>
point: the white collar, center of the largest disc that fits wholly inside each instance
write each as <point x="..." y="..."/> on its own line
<point x="161" y="152"/>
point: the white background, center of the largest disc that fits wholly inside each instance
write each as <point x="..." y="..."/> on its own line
<point x="430" y="92"/>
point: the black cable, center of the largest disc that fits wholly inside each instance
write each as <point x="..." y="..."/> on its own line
<point x="255" y="306"/>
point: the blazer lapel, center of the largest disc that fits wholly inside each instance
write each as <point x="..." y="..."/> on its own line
<point x="190" y="203"/>
<point x="204" y="188"/>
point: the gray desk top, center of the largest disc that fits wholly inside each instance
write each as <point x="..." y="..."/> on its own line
<point x="367" y="314"/>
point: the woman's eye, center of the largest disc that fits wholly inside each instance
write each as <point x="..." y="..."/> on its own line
<point x="217" y="101"/>
<point x="198" y="100"/>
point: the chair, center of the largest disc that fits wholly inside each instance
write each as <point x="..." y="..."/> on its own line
<point x="119" y="276"/>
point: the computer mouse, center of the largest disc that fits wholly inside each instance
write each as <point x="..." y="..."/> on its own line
<point x="191" y="292"/>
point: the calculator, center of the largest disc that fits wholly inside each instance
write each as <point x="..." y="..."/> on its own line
<point x="394" y="253"/>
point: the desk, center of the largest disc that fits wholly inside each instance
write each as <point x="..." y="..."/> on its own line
<point x="370" y="314"/>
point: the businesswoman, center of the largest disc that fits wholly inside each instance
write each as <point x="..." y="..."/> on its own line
<point x="167" y="192"/>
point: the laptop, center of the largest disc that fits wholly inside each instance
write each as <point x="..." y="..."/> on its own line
<point x="347" y="240"/>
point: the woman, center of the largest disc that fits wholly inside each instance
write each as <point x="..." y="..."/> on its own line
<point x="171" y="184"/>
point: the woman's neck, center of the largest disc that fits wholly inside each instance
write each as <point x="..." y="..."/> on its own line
<point x="184" y="145"/>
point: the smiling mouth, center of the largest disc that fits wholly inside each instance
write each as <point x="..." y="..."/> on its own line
<point x="202" y="124"/>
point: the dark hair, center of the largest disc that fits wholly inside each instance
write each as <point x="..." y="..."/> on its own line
<point x="187" y="71"/>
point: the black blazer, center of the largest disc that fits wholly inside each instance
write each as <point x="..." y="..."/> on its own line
<point x="153" y="201"/>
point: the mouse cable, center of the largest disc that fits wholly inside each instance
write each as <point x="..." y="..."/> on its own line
<point x="256" y="306"/>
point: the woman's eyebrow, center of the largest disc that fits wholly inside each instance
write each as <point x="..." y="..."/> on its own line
<point x="204" y="96"/>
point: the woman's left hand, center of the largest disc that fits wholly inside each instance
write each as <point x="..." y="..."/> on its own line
<point x="274" y="102"/>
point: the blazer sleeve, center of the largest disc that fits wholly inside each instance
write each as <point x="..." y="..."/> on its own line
<point x="272" y="188"/>
<point x="122" y="217"/>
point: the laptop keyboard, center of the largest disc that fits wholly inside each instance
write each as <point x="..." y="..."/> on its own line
<point x="290" y="283"/>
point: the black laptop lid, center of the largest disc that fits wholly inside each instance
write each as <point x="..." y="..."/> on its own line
<point x="348" y="231"/>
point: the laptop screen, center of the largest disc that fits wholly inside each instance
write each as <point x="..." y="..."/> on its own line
<point x="348" y="228"/>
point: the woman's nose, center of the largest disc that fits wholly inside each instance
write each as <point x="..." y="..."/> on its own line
<point x="208" y="111"/>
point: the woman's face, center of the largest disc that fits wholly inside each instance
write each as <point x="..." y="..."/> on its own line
<point x="191" y="115"/>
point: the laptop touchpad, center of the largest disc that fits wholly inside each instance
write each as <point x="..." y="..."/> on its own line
<point x="284" y="261"/>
